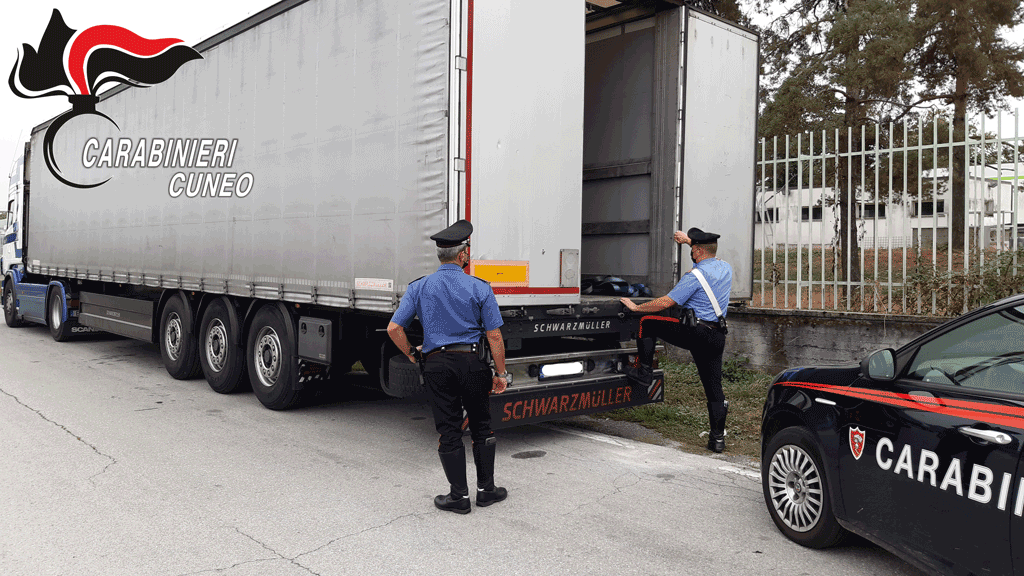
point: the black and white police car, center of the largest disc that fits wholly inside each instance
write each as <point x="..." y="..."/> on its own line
<point x="916" y="449"/>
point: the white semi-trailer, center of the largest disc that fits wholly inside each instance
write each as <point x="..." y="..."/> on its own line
<point x="260" y="214"/>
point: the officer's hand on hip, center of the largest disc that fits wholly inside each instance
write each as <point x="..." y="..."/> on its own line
<point x="414" y="357"/>
<point x="498" y="385"/>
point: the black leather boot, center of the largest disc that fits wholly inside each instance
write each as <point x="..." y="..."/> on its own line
<point x="454" y="464"/>
<point x="483" y="456"/>
<point x="643" y="372"/>
<point x="716" y="413"/>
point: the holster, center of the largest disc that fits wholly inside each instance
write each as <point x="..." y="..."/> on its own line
<point x="687" y="317"/>
<point x="483" y="350"/>
<point x="421" y="361"/>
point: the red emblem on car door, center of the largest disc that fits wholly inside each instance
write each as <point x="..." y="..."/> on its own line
<point x="856" y="442"/>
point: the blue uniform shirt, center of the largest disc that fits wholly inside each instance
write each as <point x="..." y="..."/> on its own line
<point x="688" y="293"/>
<point x="453" y="307"/>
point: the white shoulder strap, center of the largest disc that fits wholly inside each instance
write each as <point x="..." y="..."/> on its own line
<point x="707" y="290"/>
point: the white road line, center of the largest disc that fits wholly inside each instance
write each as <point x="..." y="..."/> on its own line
<point x="741" y="471"/>
<point x="597" y="437"/>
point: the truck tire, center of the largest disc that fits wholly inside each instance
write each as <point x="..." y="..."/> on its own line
<point x="270" y="358"/>
<point x="55" y="317"/>
<point x="177" y="342"/>
<point x="221" y="357"/>
<point x="10" y="314"/>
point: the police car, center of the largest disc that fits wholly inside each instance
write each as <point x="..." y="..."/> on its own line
<point x="916" y="449"/>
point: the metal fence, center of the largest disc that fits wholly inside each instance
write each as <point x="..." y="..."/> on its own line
<point x="890" y="218"/>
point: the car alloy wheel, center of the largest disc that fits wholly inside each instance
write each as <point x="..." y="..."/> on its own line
<point x="795" y="488"/>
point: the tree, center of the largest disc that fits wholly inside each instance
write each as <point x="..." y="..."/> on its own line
<point x="843" y="63"/>
<point x="836" y="64"/>
<point x="962" y="58"/>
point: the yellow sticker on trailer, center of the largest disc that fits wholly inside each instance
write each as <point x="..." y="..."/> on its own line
<point x="502" y="273"/>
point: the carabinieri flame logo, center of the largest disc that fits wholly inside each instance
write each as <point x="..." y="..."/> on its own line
<point x="78" y="63"/>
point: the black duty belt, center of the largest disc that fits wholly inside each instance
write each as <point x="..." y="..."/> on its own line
<point x="467" y="348"/>
<point x="709" y="324"/>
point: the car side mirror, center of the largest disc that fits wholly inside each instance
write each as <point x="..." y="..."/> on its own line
<point x="880" y="365"/>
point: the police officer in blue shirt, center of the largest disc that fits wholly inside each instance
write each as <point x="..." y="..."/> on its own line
<point x="706" y="340"/>
<point x="456" y="311"/>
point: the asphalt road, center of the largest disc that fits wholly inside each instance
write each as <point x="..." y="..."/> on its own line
<point x="113" y="468"/>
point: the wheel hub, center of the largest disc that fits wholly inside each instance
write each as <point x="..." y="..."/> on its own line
<point x="794" y="484"/>
<point x="216" y="346"/>
<point x="172" y="336"/>
<point x="267" y="356"/>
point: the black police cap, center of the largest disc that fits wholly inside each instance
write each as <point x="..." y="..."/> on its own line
<point x="453" y="235"/>
<point x="698" y="236"/>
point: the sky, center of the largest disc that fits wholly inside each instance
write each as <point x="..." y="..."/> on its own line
<point x="188" y="20"/>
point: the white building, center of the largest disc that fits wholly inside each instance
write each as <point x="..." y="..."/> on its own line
<point x="808" y="216"/>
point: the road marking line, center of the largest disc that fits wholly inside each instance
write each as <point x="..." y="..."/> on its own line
<point x="599" y="438"/>
<point x="740" y="471"/>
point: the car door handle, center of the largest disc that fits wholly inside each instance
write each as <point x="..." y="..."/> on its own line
<point x="986" y="435"/>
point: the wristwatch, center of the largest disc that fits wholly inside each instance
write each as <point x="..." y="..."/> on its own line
<point x="507" y="376"/>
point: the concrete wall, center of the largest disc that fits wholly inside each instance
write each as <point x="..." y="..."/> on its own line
<point x="776" y="339"/>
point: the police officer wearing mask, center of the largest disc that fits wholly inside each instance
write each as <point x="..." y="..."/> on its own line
<point x="706" y="340"/>
<point x="456" y="311"/>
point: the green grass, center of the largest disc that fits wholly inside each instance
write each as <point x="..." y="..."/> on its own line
<point x="683" y="416"/>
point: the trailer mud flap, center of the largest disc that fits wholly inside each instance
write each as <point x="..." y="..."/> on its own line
<point x="538" y="404"/>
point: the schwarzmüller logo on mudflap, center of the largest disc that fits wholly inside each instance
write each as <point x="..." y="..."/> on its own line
<point x="77" y="63"/>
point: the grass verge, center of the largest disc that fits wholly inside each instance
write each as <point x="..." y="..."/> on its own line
<point x="683" y="416"/>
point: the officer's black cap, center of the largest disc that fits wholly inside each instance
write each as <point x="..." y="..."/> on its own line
<point x="453" y="235"/>
<point x="698" y="236"/>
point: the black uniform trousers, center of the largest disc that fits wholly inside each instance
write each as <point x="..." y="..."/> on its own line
<point x="458" y="380"/>
<point x="706" y="344"/>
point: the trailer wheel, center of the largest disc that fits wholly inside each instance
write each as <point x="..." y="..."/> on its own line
<point x="55" y="318"/>
<point x="269" y="356"/>
<point x="222" y="359"/>
<point x="177" y="342"/>
<point x="10" y="314"/>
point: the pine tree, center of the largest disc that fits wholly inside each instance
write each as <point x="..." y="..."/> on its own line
<point x="836" y="64"/>
<point x="964" y="59"/>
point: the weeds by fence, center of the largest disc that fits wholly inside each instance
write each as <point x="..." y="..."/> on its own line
<point x="906" y="281"/>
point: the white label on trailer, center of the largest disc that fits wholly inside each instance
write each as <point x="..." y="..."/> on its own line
<point x="382" y="284"/>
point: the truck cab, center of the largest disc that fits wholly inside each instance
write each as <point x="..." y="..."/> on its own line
<point x="10" y="218"/>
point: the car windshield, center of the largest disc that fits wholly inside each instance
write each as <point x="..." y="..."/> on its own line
<point x="987" y="353"/>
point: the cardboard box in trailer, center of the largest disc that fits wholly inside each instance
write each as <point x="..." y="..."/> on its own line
<point x="260" y="213"/>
